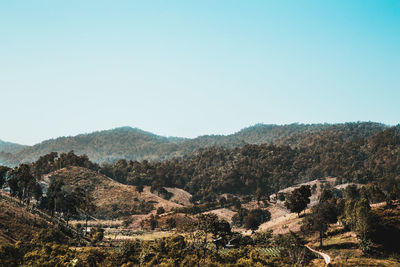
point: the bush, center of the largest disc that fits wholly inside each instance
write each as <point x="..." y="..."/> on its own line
<point x="160" y="210"/>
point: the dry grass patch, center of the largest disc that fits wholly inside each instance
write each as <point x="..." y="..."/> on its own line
<point x="180" y="196"/>
<point x="126" y="235"/>
<point x="224" y="213"/>
<point x="111" y="198"/>
<point x="16" y="223"/>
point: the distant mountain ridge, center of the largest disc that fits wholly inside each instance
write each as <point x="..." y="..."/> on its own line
<point x="135" y="144"/>
<point x="9" y="147"/>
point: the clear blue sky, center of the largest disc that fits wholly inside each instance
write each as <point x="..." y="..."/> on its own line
<point x="187" y="68"/>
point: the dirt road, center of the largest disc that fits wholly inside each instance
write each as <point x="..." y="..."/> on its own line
<point x="325" y="256"/>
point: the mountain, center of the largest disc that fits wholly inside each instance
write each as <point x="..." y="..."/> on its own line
<point x="101" y="146"/>
<point x="8" y="147"/>
<point x="135" y="144"/>
<point x="350" y="152"/>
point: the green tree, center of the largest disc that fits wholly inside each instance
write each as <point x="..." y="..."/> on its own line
<point x="373" y="193"/>
<point x="3" y="174"/>
<point x="351" y="192"/>
<point x="292" y="248"/>
<point x="171" y="223"/>
<point x="363" y="223"/>
<point x="322" y="214"/>
<point x="298" y="199"/>
<point x="85" y="204"/>
<point x="22" y="183"/>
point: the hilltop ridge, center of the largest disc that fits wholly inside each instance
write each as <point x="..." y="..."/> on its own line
<point x="135" y="144"/>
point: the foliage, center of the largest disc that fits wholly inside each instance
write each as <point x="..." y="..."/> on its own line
<point x="251" y="219"/>
<point x="3" y="174"/>
<point x="353" y="152"/>
<point x="171" y="223"/>
<point x="96" y="235"/>
<point x="385" y="228"/>
<point x="292" y="247"/>
<point x="351" y="192"/>
<point x="372" y="193"/>
<point x="298" y="199"/>
<point x="22" y="184"/>
<point x="322" y="214"/>
<point x="358" y="217"/>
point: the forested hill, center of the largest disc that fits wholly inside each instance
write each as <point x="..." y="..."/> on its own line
<point x="9" y="147"/>
<point x="135" y="144"/>
<point x="264" y="169"/>
<point x="102" y="146"/>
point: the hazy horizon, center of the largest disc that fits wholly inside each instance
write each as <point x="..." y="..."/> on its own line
<point x="186" y="69"/>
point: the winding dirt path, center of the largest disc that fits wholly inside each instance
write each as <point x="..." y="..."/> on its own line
<point x="325" y="256"/>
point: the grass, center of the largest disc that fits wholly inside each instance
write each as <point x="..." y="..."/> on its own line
<point x="343" y="249"/>
<point x="18" y="223"/>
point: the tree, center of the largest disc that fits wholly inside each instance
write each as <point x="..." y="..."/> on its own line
<point x="363" y="223"/>
<point x="3" y="174"/>
<point x="322" y="214"/>
<point x="373" y="193"/>
<point x="153" y="222"/>
<point x="208" y="223"/>
<point x="139" y="188"/>
<point x="292" y="248"/>
<point x="22" y="184"/>
<point x="67" y="200"/>
<point x="326" y="195"/>
<point x="70" y="201"/>
<point x="281" y="196"/>
<point x="160" y="210"/>
<point x="222" y="202"/>
<point x="171" y="223"/>
<point x="351" y="192"/>
<point x="298" y="199"/>
<point x="358" y="217"/>
<point x="54" y="192"/>
<point x="96" y="234"/>
<point x="85" y="204"/>
<point x="251" y="222"/>
<point x="256" y="217"/>
<point x="394" y="193"/>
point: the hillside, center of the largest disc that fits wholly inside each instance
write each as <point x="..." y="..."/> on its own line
<point x="253" y="169"/>
<point x="135" y="144"/>
<point x="8" y="147"/>
<point x="102" y="146"/>
<point x="112" y="199"/>
<point x="14" y="217"/>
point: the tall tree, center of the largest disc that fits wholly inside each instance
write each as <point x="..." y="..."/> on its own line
<point x="22" y="184"/>
<point x="351" y="192"/>
<point x="363" y="223"/>
<point x="86" y="205"/>
<point x="322" y="214"/>
<point x="298" y="199"/>
<point x="3" y="174"/>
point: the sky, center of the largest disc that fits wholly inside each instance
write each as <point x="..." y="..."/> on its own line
<point x="188" y="68"/>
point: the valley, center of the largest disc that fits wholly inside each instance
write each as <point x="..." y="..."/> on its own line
<point x="269" y="204"/>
